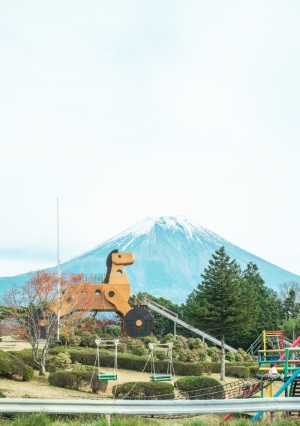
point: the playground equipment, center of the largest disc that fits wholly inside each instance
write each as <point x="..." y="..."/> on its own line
<point x="170" y="369"/>
<point x="105" y="376"/>
<point x="288" y="361"/>
<point x="283" y="388"/>
<point x="269" y="340"/>
<point x="112" y="295"/>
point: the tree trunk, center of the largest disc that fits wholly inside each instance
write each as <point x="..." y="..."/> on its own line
<point x="222" y="358"/>
<point x="42" y="369"/>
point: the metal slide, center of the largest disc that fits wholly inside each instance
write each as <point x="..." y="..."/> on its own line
<point x="173" y="317"/>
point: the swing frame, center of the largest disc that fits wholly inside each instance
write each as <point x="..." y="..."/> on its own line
<point x="107" y="376"/>
<point x="168" y="377"/>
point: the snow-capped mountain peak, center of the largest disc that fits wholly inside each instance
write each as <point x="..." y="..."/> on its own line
<point x="171" y="253"/>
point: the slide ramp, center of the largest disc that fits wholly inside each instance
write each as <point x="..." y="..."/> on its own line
<point x="173" y="317"/>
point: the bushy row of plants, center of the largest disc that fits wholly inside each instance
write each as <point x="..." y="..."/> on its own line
<point x="194" y="387"/>
<point x="144" y="390"/>
<point x="139" y="363"/>
<point x="191" y="387"/>
<point x="77" y="379"/>
<point x="13" y="367"/>
<point x="186" y="350"/>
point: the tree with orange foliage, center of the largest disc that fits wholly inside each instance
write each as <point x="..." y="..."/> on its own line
<point x="36" y="306"/>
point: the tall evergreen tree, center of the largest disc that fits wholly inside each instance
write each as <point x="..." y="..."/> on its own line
<point x="218" y="305"/>
<point x="265" y="310"/>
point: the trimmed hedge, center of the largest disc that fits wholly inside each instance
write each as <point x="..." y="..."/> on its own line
<point x="137" y="363"/>
<point x="194" y="387"/>
<point x="131" y="362"/>
<point x="14" y="368"/>
<point x="142" y="390"/>
<point x="237" y="371"/>
<point x="76" y="379"/>
<point x="26" y="356"/>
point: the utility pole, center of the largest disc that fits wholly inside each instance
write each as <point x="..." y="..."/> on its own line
<point x="58" y="276"/>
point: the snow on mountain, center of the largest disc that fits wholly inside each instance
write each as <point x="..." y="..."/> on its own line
<point x="171" y="253"/>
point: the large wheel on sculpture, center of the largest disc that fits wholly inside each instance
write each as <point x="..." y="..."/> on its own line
<point x="138" y="322"/>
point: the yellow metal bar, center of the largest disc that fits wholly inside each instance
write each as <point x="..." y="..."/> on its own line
<point x="270" y="390"/>
<point x="267" y="369"/>
<point x="264" y="341"/>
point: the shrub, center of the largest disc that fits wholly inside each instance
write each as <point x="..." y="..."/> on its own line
<point x="14" y="368"/>
<point x="161" y="355"/>
<point x="254" y="370"/>
<point x="204" y="387"/>
<point x="75" y="340"/>
<point x="187" y="355"/>
<point x="140" y="390"/>
<point x="64" y="337"/>
<point x="180" y="343"/>
<point x="196" y="343"/>
<point x="230" y="356"/>
<point x="215" y="354"/>
<point x="26" y="356"/>
<point x="61" y="361"/>
<point x="201" y="355"/>
<point x="78" y="366"/>
<point x="136" y="347"/>
<point x="122" y="347"/>
<point x="112" y="330"/>
<point x="149" y="339"/>
<point x="65" y="379"/>
<point x="77" y="379"/>
<point x="86" y="339"/>
<point x="23" y="370"/>
<point x="137" y="363"/>
<point x="238" y="371"/>
<point x="242" y="356"/>
<point x="187" y="368"/>
<point x="169" y="338"/>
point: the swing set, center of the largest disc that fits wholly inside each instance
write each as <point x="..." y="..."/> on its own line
<point x="107" y="376"/>
<point x="170" y="369"/>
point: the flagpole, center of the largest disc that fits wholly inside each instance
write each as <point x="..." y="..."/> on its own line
<point x="58" y="275"/>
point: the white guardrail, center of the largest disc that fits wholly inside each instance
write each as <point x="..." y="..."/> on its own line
<point x="147" y="407"/>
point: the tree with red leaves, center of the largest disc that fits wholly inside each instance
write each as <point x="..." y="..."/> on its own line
<point x="36" y="305"/>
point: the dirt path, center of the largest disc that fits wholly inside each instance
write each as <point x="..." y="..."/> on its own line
<point x="39" y="387"/>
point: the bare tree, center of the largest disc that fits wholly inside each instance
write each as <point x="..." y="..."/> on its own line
<point x="287" y="287"/>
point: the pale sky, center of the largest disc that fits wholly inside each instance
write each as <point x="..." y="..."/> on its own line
<point x="130" y="109"/>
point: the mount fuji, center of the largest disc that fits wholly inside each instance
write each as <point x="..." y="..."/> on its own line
<point x="171" y="254"/>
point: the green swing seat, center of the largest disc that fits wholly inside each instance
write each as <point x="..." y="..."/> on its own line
<point x="161" y="378"/>
<point x="107" y="376"/>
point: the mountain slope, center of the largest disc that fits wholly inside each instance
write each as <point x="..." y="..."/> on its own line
<point x="171" y="253"/>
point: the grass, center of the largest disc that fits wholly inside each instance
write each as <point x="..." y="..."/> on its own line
<point x="42" y="419"/>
